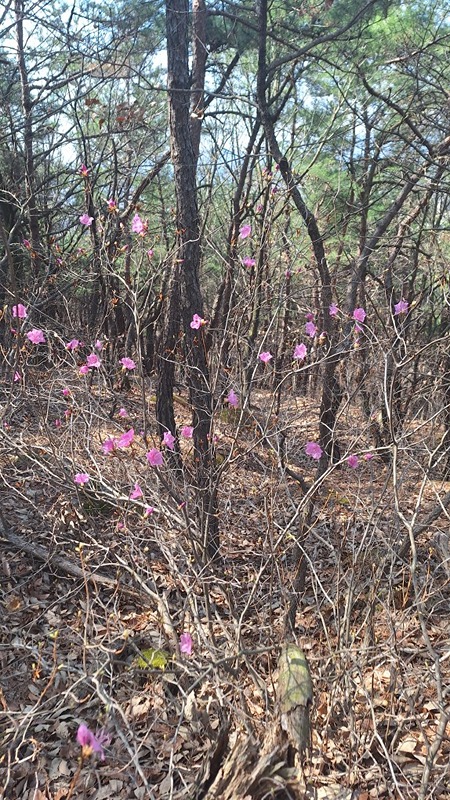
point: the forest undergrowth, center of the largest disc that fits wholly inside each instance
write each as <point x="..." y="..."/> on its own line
<point x="100" y="581"/>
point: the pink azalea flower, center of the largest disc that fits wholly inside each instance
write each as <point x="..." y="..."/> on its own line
<point x="137" y="226"/>
<point x="85" y="219"/>
<point x="310" y="329"/>
<point x="128" y="363"/>
<point x="169" y="440"/>
<point x="81" y="478"/>
<point x="155" y="457"/>
<point x="19" y="311"/>
<point x="98" y="345"/>
<point x="310" y="317"/>
<point x="92" y="743"/>
<point x="123" y="412"/>
<point x="232" y="398"/>
<point x="245" y="231"/>
<point x="136" y="493"/>
<point x="314" y="450"/>
<point x="73" y="344"/>
<point x="108" y="445"/>
<point x="197" y="322"/>
<point x="300" y="351"/>
<point x="93" y="361"/>
<point x="150" y="253"/>
<point x="57" y="423"/>
<point x="84" y="369"/>
<point x="401" y="307"/>
<point x="368" y="456"/>
<point x="26" y="243"/>
<point x="187" y="431"/>
<point x="65" y="392"/>
<point x="359" y="315"/>
<point x="84" y="170"/>
<point x="36" y="336"/>
<point x="126" y="438"/>
<point x="17" y="377"/>
<point x="148" y="510"/>
<point x="353" y="461"/>
<point x="265" y="357"/>
<point x="333" y="310"/>
<point x="248" y="262"/>
<point x="112" y="205"/>
<point x="186" y="643"/>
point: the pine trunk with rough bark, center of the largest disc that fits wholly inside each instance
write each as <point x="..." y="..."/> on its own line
<point x="187" y="263"/>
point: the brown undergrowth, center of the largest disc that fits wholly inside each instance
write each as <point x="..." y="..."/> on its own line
<point x="88" y="583"/>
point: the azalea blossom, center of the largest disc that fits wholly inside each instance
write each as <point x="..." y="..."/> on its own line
<point x="85" y="219"/>
<point x="26" y="243"/>
<point x="368" y="456"/>
<point x="359" y="314"/>
<point x="81" y="478"/>
<point x="98" y="345"/>
<point x="169" y="440"/>
<point x="300" y="351"/>
<point x="84" y="369"/>
<point x="128" y="363"/>
<point x="314" y="450"/>
<point x="137" y="226"/>
<point x="333" y="310"/>
<point x="57" y="423"/>
<point x="232" y="398"/>
<point x="245" y="231"/>
<point x="126" y="439"/>
<point x="353" y="461"/>
<point x="108" y="445"/>
<point x="92" y="743"/>
<point x="248" y="262"/>
<point x="112" y="205"/>
<point x="36" y="336"/>
<point x="310" y="317"/>
<point x="93" y="361"/>
<point x="136" y="493"/>
<point x="123" y="412"/>
<point x="84" y="170"/>
<point x="401" y="307"/>
<point x="65" y="392"/>
<point x="197" y="322"/>
<point x="265" y="357"/>
<point x="358" y="328"/>
<point x="73" y="344"/>
<point x="19" y="311"/>
<point x="310" y="329"/>
<point x="155" y="457"/>
<point x="186" y="643"/>
<point x="150" y="253"/>
<point x="187" y="431"/>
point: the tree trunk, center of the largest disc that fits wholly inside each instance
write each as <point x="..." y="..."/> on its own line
<point x="187" y="262"/>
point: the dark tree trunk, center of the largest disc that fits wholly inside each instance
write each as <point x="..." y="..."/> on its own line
<point x="331" y="392"/>
<point x="28" y="140"/>
<point x="187" y="264"/>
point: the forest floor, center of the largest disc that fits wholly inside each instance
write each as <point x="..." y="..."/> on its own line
<point x="88" y="582"/>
